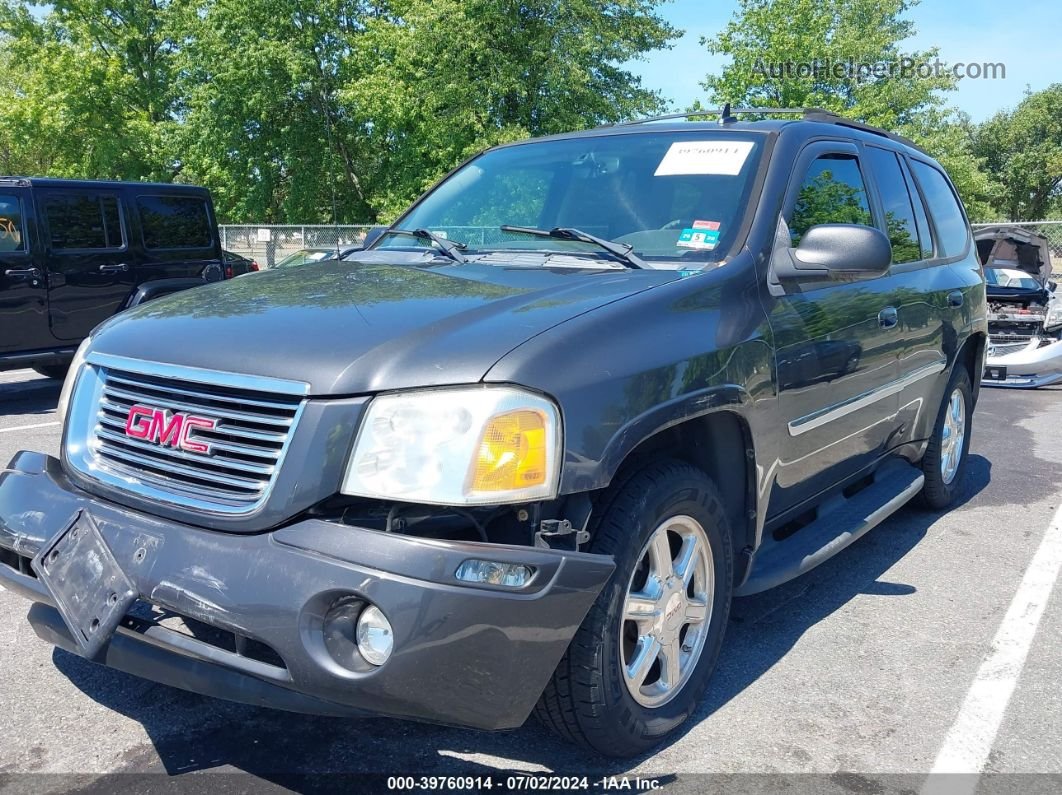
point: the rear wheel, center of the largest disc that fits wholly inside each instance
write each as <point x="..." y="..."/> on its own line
<point x="52" y="370"/>
<point x="639" y="663"/>
<point x="944" y="463"/>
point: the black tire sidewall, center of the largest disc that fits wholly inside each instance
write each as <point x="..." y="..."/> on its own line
<point x="937" y="494"/>
<point x="57" y="371"/>
<point x="691" y="494"/>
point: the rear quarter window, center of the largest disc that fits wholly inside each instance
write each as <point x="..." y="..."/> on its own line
<point x="171" y="222"/>
<point x="953" y="235"/>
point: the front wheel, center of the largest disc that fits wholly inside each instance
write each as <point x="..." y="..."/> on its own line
<point x="944" y="463"/>
<point x="639" y="663"/>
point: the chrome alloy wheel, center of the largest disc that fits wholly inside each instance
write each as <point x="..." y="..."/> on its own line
<point x="667" y="611"/>
<point x="953" y="436"/>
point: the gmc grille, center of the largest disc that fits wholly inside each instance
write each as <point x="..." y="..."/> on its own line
<point x="246" y="444"/>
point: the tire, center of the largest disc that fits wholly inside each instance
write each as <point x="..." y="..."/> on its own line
<point x="944" y="481"/>
<point x="52" y="370"/>
<point x="588" y="700"/>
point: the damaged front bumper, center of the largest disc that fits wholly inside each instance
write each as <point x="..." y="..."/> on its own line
<point x="240" y="617"/>
<point x="1023" y="364"/>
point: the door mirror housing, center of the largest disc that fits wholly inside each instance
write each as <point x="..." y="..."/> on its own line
<point x="843" y="250"/>
<point x="372" y="236"/>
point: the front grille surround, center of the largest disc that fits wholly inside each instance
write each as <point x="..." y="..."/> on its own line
<point x="257" y="419"/>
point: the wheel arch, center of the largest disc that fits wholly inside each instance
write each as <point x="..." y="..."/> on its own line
<point x="972" y="356"/>
<point x="714" y="442"/>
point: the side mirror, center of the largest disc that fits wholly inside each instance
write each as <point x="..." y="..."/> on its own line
<point x="837" y="250"/>
<point x="372" y="236"/>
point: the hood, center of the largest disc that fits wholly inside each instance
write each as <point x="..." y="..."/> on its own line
<point x="354" y="327"/>
<point x="1014" y="247"/>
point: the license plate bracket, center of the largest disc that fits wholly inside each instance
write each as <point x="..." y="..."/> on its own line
<point x="88" y="584"/>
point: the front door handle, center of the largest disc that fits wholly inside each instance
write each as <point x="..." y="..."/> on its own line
<point x="27" y="273"/>
<point x="887" y="317"/>
<point x="109" y="267"/>
<point x="955" y="299"/>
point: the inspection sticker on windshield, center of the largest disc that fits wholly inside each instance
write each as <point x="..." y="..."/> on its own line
<point x="704" y="157"/>
<point x="705" y="239"/>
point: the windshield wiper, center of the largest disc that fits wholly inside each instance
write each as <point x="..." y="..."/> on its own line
<point x="450" y="248"/>
<point x="621" y="251"/>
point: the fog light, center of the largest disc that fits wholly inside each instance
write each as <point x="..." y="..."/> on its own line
<point x="375" y="639"/>
<point x="489" y="572"/>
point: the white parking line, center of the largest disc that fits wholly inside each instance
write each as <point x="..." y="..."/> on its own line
<point x="28" y="427"/>
<point x="969" y="741"/>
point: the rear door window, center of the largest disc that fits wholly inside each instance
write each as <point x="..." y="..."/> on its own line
<point x="833" y="192"/>
<point x="900" y="223"/>
<point x="925" y="238"/>
<point x="953" y="234"/>
<point x="171" y="222"/>
<point x="12" y="237"/>
<point x="84" y="221"/>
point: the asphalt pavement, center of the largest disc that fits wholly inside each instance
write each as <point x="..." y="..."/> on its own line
<point x="930" y="644"/>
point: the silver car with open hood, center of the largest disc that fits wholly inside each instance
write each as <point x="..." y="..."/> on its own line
<point x="1024" y="319"/>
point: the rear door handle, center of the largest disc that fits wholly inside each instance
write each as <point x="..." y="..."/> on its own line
<point x="887" y="317"/>
<point x="28" y="273"/>
<point x="955" y="298"/>
<point x="109" y="267"/>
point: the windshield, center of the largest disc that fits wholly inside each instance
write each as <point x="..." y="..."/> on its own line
<point x="1005" y="277"/>
<point x="677" y="198"/>
<point x="304" y="256"/>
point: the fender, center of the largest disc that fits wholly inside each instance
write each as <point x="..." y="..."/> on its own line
<point x="733" y="461"/>
<point x="693" y="405"/>
<point x="160" y="287"/>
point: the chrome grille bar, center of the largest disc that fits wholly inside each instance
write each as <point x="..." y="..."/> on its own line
<point x="114" y="394"/>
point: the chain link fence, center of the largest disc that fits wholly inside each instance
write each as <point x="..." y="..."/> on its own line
<point x="268" y="245"/>
<point x="1051" y="230"/>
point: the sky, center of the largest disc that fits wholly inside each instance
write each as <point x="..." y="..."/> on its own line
<point x="1024" y="35"/>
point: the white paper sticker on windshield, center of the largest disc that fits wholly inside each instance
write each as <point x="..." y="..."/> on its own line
<point x="704" y="157"/>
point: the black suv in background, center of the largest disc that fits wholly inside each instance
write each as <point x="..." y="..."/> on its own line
<point x="74" y="252"/>
<point x="520" y="453"/>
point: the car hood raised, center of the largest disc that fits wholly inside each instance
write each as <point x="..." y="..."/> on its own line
<point x="352" y="328"/>
<point x="1014" y="247"/>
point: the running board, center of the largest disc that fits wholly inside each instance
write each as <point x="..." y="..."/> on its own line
<point x="779" y="561"/>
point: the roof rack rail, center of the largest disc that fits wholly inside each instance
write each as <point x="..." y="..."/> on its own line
<point x="20" y="182"/>
<point x="728" y="115"/>
<point x="725" y="114"/>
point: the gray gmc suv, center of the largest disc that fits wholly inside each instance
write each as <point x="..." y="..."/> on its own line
<point x="519" y="454"/>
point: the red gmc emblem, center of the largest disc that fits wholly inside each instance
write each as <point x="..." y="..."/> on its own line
<point x="167" y="428"/>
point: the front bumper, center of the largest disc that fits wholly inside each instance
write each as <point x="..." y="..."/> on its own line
<point x="1033" y="366"/>
<point x="251" y="606"/>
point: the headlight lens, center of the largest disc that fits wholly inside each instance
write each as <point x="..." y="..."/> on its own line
<point x="467" y="446"/>
<point x="1054" y="316"/>
<point x="71" y="379"/>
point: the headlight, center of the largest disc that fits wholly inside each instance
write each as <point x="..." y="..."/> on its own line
<point x="1054" y="317"/>
<point x="71" y="379"/>
<point x="466" y="446"/>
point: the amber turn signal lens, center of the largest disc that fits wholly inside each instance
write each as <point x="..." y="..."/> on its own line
<point x="512" y="453"/>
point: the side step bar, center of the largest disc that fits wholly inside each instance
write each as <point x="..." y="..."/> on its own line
<point x="833" y="530"/>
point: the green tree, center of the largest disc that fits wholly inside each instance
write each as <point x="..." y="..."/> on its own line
<point x="441" y="80"/>
<point x="762" y="38"/>
<point x="88" y="88"/>
<point x="1022" y="152"/>
<point x="261" y="122"/>
<point x="286" y="107"/>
